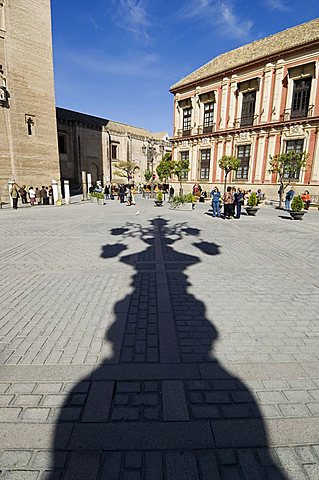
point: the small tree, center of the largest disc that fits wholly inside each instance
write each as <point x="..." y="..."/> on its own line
<point x="228" y="163"/>
<point x="147" y="175"/>
<point x="287" y="166"/>
<point x="180" y="167"/>
<point x="165" y="167"/>
<point x="126" y="169"/>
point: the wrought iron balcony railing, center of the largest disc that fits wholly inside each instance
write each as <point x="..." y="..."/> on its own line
<point x="247" y="121"/>
<point x="291" y="114"/>
<point x="206" y="129"/>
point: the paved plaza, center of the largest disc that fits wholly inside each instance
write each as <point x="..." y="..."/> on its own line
<point x="159" y="345"/>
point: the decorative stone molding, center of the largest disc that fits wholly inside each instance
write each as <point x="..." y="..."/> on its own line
<point x="296" y="130"/>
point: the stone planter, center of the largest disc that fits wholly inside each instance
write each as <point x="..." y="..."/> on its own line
<point x="251" y="211"/>
<point x="157" y="203"/>
<point x="296" y="215"/>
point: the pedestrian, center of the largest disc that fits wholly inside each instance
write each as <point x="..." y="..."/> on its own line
<point x="228" y="203"/>
<point x="14" y="193"/>
<point x="289" y="196"/>
<point x="23" y="194"/>
<point x="215" y="196"/>
<point x="38" y="195"/>
<point x="44" y="195"/>
<point x="32" y="196"/>
<point x="50" y="194"/>
<point x="233" y="191"/>
<point x="107" y="191"/>
<point x="171" y="193"/>
<point x="122" y="193"/>
<point x="239" y="202"/>
<point x="306" y="199"/>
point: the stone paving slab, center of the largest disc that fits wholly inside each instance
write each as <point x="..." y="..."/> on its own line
<point x="158" y="347"/>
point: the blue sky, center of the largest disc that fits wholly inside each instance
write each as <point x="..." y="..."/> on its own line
<point x="118" y="58"/>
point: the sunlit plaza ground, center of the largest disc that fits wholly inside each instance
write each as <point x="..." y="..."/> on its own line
<point x="141" y="343"/>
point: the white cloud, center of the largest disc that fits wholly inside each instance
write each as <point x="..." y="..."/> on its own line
<point x="221" y="14"/>
<point x="279" y="5"/>
<point x="133" y="16"/>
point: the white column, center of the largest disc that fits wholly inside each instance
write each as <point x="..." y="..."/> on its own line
<point x="67" y="192"/>
<point x="224" y="113"/>
<point x="89" y="184"/>
<point x="266" y="104"/>
<point x="84" y="185"/>
<point x="54" y="184"/>
<point x="10" y="185"/>
<point x="278" y="90"/>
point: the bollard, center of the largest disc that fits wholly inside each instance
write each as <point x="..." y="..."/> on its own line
<point x="67" y="192"/>
<point x="10" y="184"/>
<point x="89" y="185"/>
<point x="84" y="185"/>
<point x="54" y="184"/>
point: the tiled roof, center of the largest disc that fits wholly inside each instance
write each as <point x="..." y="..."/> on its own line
<point x="290" y="38"/>
<point x="98" y="123"/>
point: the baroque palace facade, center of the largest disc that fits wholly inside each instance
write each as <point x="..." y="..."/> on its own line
<point x="258" y="100"/>
<point x="28" y="138"/>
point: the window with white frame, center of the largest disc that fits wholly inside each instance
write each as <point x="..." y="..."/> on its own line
<point x="208" y="116"/>
<point x="243" y="154"/>
<point x="204" y="164"/>
<point x="300" y="98"/>
<point x="187" y="120"/>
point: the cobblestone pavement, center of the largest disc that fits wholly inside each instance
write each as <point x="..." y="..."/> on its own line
<point x="167" y="345"/>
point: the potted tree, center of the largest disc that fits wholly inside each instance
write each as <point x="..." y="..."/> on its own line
<point x="297" y="206"/>
<point x="159" y="199"/>
<point x="180" y="168"/>
<point x="228" y="163"/>
<point x="183" y="202"/>
<point x="287" y="167"/>
<point x="252" y="203"/>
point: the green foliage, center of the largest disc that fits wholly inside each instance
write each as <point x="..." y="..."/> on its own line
<point x="181" y="199"/>
<point x="297" y="204"/>
<point x="98" y="195"/>
<point x="287" y="165"/>
<point x="180" y="166"/>
<point x="252" y="200"/>
<point x="229" y="163"/>
<point x="159" y="196"/>
<point x="126" y="169"/>
<point x="147" y="175"/>
<point x="165" y="167"/>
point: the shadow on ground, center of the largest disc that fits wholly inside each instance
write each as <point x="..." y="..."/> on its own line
<point x="162" y="406"/>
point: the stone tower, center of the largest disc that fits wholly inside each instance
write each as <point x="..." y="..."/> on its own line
<point x="28" y="133"/>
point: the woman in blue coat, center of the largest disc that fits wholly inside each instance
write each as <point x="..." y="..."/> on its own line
<point x="215" y="195"/>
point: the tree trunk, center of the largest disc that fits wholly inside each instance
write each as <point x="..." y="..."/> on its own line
<point x="180" y="188"/>
<point x="225" y="181"/>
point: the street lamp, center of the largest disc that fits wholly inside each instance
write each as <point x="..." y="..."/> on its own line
<point x="150" y="152"/>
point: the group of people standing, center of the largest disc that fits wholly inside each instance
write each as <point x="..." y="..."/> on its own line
<point x="233" y="200"/>
<point x="37" y="196"/>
